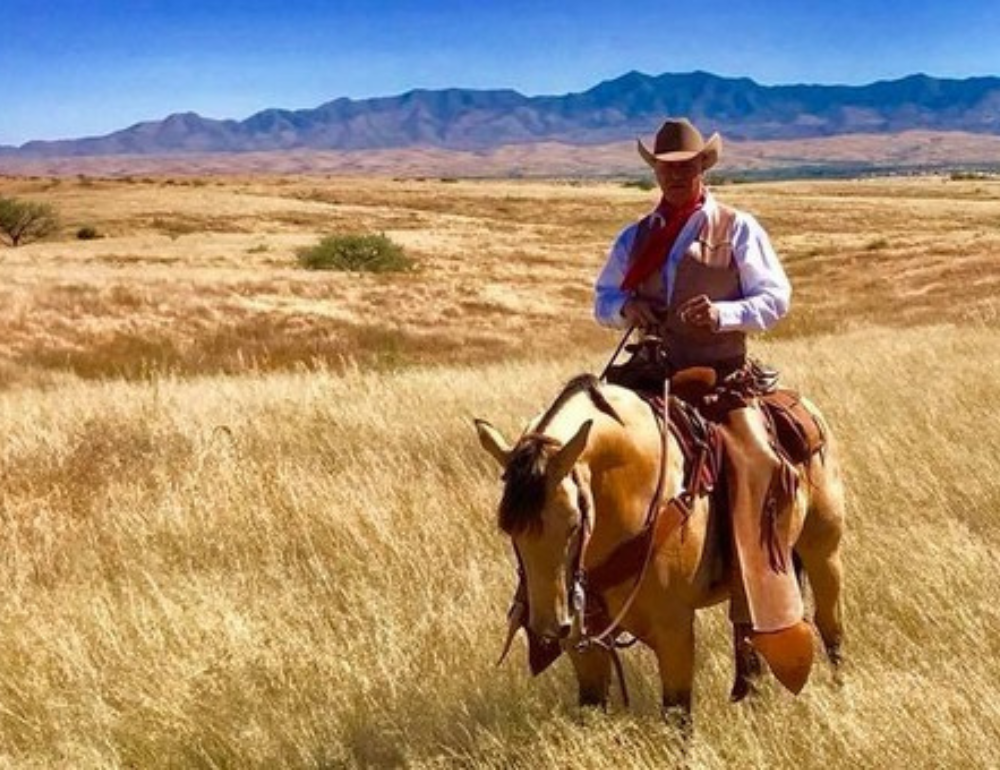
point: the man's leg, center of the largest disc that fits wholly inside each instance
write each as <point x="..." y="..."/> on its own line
<point x="767" y="594"/>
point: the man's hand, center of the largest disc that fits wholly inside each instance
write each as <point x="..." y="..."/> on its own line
<point x="700" y="312"/>
<point x="643" y="313"/>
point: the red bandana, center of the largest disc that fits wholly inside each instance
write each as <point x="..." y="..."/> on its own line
<point x="651" y="253"/>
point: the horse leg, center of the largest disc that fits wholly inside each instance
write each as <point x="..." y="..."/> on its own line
<point x="826" y="578"/>
<point x="819" y="547"/>
<point x="593" y="675"/>
<point x="674" y="648"/>
<point x="748" y="665"/>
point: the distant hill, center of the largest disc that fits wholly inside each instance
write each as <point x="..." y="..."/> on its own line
<point x="615" y="110"/>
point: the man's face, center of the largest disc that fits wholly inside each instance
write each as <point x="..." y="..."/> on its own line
<point x="679" y="181"/>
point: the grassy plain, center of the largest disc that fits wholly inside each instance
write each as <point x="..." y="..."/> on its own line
<point x="246" y="521"/>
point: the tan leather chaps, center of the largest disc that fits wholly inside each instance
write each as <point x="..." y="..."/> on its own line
<point x="765" y="591"/>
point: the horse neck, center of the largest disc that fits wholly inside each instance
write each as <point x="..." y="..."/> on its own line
<point x="624" y="465"/>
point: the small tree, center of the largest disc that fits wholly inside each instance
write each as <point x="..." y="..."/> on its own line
<point x="24" y="221"/>
<point x="356" y="253"/>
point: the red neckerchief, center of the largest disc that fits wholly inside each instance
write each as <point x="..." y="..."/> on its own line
<point x="653" y="251"/>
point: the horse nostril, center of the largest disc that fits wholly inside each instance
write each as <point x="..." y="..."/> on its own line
<point x="565" y="629"/>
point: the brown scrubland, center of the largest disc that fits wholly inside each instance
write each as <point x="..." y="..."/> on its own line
<point x="246" y="521"/>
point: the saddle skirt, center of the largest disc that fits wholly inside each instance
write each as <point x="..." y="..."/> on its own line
<point x="793" y="431"/>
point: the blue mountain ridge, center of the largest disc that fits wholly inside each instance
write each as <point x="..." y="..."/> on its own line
<point x="619" y="109"/>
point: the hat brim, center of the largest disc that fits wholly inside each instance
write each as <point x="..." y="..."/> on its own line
<point x="710" y="152"/>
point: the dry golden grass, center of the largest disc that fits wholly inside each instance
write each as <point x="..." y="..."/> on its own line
<point x="214" y="562"/>
<point x="304" y="570"/>
<point x="199" y="275"/>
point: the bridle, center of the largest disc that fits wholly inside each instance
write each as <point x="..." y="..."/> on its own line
<point x="578" y="589"/>
<point x="609" y="638"/>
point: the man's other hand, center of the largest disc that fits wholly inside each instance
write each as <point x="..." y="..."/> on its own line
<point x="643" y="313"/>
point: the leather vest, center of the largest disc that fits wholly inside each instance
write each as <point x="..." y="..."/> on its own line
<point x="707" y="267"/>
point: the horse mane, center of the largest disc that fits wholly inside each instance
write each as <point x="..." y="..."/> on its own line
<point x="582" y="383"/>
<point x="524" y="478"/>
<point x="524" y="484"/>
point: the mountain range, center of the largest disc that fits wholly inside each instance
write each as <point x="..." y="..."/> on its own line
<point x="615" y="110"/>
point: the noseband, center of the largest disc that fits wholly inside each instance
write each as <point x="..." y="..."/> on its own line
<point x="577" y="593"/>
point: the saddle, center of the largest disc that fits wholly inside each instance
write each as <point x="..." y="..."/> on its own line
<point x="699" y="403"/>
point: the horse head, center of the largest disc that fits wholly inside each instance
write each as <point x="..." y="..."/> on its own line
<point x="549" y="507"/>
<point x="546" y="510"/>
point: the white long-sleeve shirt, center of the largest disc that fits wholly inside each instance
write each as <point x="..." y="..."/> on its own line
<point x="765" y="287"/>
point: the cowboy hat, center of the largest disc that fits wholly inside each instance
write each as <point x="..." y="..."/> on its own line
<point x="678" y="141"/>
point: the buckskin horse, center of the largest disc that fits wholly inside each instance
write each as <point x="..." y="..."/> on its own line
<point x="605" y="532"/>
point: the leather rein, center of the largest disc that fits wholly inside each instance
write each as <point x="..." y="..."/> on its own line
<point x="606" y="637"/>
<point x="620" y="564"/>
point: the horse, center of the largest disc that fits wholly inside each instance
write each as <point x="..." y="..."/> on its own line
<point x="580" y="484"/>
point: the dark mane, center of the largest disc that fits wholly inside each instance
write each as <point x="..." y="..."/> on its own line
<point x="582" y="383"/>
<point x="524" y="480"/>
<point x="524" y="484"/>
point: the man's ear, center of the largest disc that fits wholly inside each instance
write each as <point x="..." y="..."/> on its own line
<point x="493" y="442"/>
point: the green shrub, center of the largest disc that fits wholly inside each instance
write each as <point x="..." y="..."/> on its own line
<point x="967" y="176"/>
<point x="877" y="244"/>
<point x="360" y="253"/>
<point x="640" y="184"/>
<point x="25" y="221"/>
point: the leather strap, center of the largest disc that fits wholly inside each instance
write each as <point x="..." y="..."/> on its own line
<point x="627" y="559"/>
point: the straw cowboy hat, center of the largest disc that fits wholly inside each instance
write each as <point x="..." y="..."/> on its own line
<point x="678" y="141"/>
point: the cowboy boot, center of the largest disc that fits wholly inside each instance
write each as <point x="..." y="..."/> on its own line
<point x="773" y="600"/>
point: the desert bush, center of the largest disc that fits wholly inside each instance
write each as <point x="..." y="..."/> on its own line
<point x="87" y="233"/>
<point x="640" y="184"/>
<point x="968" y="176"/>
<point x="176" y="226"/>
<point x="24" y="221"/>
<point x="877" y="244"/>
<point x="360" y="253"/>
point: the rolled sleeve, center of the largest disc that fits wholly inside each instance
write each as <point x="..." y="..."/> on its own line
<point x="767" y="292"/>
<point x="609" y="298"/>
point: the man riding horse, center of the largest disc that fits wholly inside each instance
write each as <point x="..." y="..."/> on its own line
<point x="694" y="277"/>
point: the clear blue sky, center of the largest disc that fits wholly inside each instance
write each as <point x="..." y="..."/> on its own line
<point x="72" y="68"/>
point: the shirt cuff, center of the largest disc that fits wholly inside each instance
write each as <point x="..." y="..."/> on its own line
<point x="730" y="316"/>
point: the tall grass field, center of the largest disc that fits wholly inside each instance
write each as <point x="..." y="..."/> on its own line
<point x="246" y="521"/>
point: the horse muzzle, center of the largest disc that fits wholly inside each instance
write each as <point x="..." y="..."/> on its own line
<point x="552" y="632"/>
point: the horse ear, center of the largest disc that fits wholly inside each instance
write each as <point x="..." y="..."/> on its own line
<point x="562" y="463"/>
<point x="493" y="442"/>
